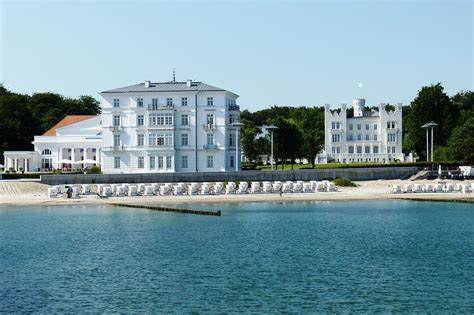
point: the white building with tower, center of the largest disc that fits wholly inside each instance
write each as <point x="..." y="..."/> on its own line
<point x="144" y="128"/>
<point x="368" y="136"/>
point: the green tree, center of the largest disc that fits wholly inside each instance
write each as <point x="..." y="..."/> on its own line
<point x="287" y="139"/>
<point x="461" y="142"/>
<point x="249" y="132"/>
<point x="431" y="104"/>
<point x="311" y="126"/>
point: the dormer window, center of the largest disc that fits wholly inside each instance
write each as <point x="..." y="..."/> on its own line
<point x="46" y="152"/>
<point x="169" y="101"/>
<point x="116" y="102"/>
<point x="210" y="101"/>
<point x="140" y="102"/>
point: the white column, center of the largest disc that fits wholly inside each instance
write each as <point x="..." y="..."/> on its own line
<point x="73" y="154"/>
<point x="427" y="146"/>
<point x="25" y="162"/>
<point x="271" y="146"/>
<point x="16" y="165"/>
<point x="432" y="135"/>
<point x="237" y="149"/>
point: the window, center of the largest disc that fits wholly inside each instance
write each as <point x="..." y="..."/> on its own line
<point x="338" y="149"/>
<point x="160" y="119"/>
<point x="169" y="140"/>
<point x="210" y="101"/>
<point x="231" y="118"/>
<point x="393" y="125"/>
<point x="210" y="119"/>
<point x="367" y="137"/>
<point x="210" y="139"/>
<point x="152" y="162"/>
<point x="375" y="137"/>
<point x="116" y="120"/>
<point x="375" y="126"/>
<point x="168" y="162"/>
<point x="375" y="149"/>
<point x="168" y="119"/>
<point x="351" y="149"/>
<point x="336" y="138"/>
<point x="140" y="120"/>
<point x="152" y="139"/>
<point x="169" y="101"/>
<point x="184" y="139"/>
<point x="46" y="164"/>
<point x="351" y="126"/>
<point x="367" y="149"/>
<point x="393" y="149"/>
<point x="116" y="140"/>
<point x="154" y="103"/>
<point x="117" y="162"/>
<point x="184" y="101"/>
<point x="184" y="120"/>
<point x="141" y="162"/>
<point x="349" y="137"/>
<point x="116" y="102"/>
<point x="210" y="161"/>
<point x="46" y="152"/>
<point x="334" y="150"/>
<point x="184" y="161"/>
<point x="231" y="139"/>
<point x="358" y="127"/>
<point x="140" y="102"/>
<point x="231" y="161"/>
<point x="367" y="127"/>
<point x="338" y="125"/>
<point x="160" y="162"/>
<point x="359" y="137"/>
<point x="391" y="137"/>
<point x="140" y="140"/>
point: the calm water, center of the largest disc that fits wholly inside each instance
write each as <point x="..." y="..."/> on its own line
<point x="395" y="256"/>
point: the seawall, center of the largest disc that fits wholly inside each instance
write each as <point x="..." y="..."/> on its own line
<point x="304" y="175"/>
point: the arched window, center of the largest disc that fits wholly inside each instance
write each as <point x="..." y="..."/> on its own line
<point x="46" y="152"/>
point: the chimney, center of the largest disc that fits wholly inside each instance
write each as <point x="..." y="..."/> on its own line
<point x="147" y="84"/>
<point x="188" y="83"/>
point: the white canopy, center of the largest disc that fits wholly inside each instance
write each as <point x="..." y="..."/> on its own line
<point x="88" y="161"/>
<point x="64" y="162"/>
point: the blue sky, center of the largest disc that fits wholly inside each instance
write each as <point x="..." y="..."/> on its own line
<point x="270" y="53"/>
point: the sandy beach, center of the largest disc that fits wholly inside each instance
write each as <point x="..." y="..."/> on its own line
<point x="35" y="193"/>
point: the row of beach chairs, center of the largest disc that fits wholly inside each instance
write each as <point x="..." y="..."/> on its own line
<point x="218" y="188"/>
<point x="433" y="188"/>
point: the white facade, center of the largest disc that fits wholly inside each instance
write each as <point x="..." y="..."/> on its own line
<point x="169" y="127"/>
<point x="72" y="146"/>
<point x="368" y="136"/>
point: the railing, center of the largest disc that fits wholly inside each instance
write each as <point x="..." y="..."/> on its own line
<point x="210" y="126"/>
<point x="116" y="128"/>
<point x="234" y="107"/>
<point x="160" y="106"/>
<point x="209" y="146"/>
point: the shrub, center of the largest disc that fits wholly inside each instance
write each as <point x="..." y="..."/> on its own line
<point x="95" y="170"/>
<point x="344" y="182"/>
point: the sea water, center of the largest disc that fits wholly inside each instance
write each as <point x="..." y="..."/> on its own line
<point x="364" y="256"/>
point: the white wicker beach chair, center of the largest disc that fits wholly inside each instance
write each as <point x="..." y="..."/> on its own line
<point x="320" y="186"/>
<point x="132" y="190"/>
<point x="120" y="191"/>
<point x="449" y="187"/>
<point x="192" y="189"/>
<point x="230" y="188"/>
<point x="148" y="191"/>
<point x="218" y="188"/>
<point x="298" y="187"/>
<point x="53" y="192"/>
<point x="85" y="189"/>
<point x="330" y="186"/>
<point x="267" y="187"/>
<point x="396" y="189"/>
<point x="287" y="187"/>
<point x="407" y="188"/>
<point x="255" y="187"/>
<point x="243" y="186"/>
<point x="307" y="187"/>
<point x="277" y="186"/>
<point x="437" y="188"/>
<point x="418" y="188"/>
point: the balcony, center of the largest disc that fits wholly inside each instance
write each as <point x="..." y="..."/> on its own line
<point x="209" y="147"/>
<point x="234" y="107"/>
<point x="116" y="128"/>
<point x="160" y="107"/>
<point x="209" y="126"/>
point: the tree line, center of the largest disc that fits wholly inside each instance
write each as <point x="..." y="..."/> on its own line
<point x="300" y="133"/>
<point x="23" y="116"/>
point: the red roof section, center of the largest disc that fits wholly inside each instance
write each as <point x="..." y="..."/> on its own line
<point x="66" y="121"/>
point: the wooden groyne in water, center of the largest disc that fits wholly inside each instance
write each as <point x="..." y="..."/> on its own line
<point x="167" y="209"/>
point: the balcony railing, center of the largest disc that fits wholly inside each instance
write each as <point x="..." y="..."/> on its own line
<point x="116" y="128"/>
<point x="234" y="107"/>
<point x="160" y="106"/>
<point x="210" y="126"/>
<point x="209" y="146"/>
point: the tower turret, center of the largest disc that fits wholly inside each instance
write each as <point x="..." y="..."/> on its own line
<point x="359" y="105"/>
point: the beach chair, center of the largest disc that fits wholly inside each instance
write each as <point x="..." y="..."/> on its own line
<point x="396" y="189"/>
<point x="85" y="189"/>
<point x="407" y="188"/>
<point x="120" y="191"/>
<point x="313" y="185"/>
<point x="125" y="187"/>
<point x="428" y="188"/>
<point x="277" y="186"/>
<point x="230" y="188"/>
<point x="156" y="188"/>
<point x="320" y="186"/>
<point x="437" y="188"/>
<point x="449" y="187"/>
<point x="418" y="188"/>
<point x="298" y="187"/>
<point x="287" y="187"/>
<point x="75" y="192"/>
<point x="106" y="191"/>
<point x="148" y="191"/>
<point x="255" y="187"/>
<point x="133" y="190"/>
<point x="267" y="187"/>
<point x="330" y="186"/>
<point x="243" y="186"/>
<point x="205" y="188"/>
<point x="141" y="188"/>
<point x="218" y="188"/>
<point x="178" y="189"/>
<point x="192" y="189"/>
<point x="165" y="189"/>
<point x="53" y="192"/>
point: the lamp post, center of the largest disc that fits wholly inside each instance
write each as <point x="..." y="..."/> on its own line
<point x="271" y="128"/>
<point x="237" y="126"/>
<point x="431" y="125"/>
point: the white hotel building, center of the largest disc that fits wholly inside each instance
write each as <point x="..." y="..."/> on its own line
<point x="144" y="128"/>
<point x="368" y="136"/>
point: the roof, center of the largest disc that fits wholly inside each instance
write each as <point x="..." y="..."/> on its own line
<point x="66" y="121"/>
<point x="172" y="86"/>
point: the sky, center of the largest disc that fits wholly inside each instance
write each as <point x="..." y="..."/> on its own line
<point x="298" y="53"/>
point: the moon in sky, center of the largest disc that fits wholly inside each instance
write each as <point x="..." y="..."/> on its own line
<point x="360" y="85"/>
